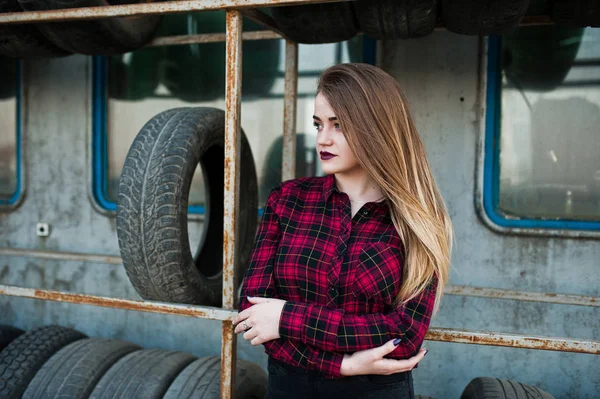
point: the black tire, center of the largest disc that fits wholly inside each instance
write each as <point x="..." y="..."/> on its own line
<point x="74" y="371"/>
<point x="392" y="19"/>
<point x="202" y="380"/>
<point x="8" y="334"/>
<point x="143" y="374"/>
<point x="101" y="36"/>
<point x="23" y="357"/>
<point x="317" y="23"/>
<point x="496" y="388"/>
<point x="580" y="13"/>
<point x="24" y="41"/>
<point x="483" y="17"/>
<point x="538" y="58"/>
<point x="153" y="203"/>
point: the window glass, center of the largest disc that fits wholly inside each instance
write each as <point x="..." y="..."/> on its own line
<point x="8" y="130"/>
<point x="549" y="129"/>
<point x="146" y="82"/>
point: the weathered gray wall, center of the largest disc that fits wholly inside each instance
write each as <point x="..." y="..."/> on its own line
<point x="440" y="75"/>
<point x="436" y="72"/>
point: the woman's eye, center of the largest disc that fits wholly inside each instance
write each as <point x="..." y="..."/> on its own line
<point x="337" y="126"/>
<point x="318" y="126"/>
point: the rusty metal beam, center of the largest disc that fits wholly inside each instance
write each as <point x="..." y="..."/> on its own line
<point x="513" y="340"/>
<point x="127" y="10"/>
<point x="210" y="38"/>
<point x="204" y="312"/>
<point x="233" y="102"/>
<point x="548" y="297"/>
<point x="288" y="164"/>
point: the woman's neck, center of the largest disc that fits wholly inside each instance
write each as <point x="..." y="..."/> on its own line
<point x="359" y="186"/>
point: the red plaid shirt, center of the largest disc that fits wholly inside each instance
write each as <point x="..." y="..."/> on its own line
<point x="339" y="275"/>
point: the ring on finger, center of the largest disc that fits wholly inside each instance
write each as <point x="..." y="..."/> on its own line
<point x="245" y="325"/>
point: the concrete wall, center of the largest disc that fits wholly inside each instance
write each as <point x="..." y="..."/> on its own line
<point x="440" y="76"/>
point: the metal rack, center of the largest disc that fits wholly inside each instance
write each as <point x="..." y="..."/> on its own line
<point x="235" y="10"/>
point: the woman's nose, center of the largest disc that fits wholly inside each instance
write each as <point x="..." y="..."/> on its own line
<point x="324" y="137"/>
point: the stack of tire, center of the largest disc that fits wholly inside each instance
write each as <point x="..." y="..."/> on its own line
<point x="392" y="19"/>
<point x="101" y="36"/>
<point x="55" y="361"/>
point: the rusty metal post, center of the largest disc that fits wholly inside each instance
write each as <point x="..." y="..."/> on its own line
<point x="288" y="162"/>
<point x="233" y="94"/>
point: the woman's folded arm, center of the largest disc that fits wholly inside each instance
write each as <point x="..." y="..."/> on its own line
<point x="335" y="330"/>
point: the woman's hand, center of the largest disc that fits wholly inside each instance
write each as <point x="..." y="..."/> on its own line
<point x="260" y="321"/>
<point x="371" y="361"/>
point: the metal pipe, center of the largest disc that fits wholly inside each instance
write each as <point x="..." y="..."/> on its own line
<point x="288" y="162"/>
<point x="233" y="101"/>
<point x="128" y="10"/>
<point x="210" y="38"/>
<point x="562" y="299"/>
<point x="204" y="312"/>
<point x="513" y="340"/>
<point x="207" y="312"/>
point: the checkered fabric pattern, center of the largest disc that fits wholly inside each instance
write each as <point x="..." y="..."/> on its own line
<point x="339" y="275"/>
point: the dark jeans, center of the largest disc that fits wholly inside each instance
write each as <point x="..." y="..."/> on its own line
<point x="288" y="382"/>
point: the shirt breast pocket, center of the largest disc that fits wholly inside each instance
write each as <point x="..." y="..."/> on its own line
<point x="378" y="276"/>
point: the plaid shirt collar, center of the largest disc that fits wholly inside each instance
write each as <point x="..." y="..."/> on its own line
<point x="329" y="187"/>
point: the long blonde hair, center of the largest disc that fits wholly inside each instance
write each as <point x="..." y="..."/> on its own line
<point x="374" y="116"/>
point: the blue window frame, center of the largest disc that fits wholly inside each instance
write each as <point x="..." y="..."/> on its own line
<point x="530" y="217"/>
<point x="173" y="61"/>
<point x="11" y="182"/>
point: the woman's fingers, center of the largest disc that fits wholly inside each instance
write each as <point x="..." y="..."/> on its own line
<point x="386" y="348"/>
<point x="250" y="334"/>
<point x="392" y="366"/>
<point x="242" y="324"/>
<point x="407" y="364"/>
<point x="241" y="316"/>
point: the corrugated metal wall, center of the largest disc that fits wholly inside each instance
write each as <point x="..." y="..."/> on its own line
<point x="440" y="74"/>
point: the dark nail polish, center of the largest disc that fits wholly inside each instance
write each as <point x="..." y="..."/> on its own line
<point x="397" y="341"/>
<point x="426" y="350"/>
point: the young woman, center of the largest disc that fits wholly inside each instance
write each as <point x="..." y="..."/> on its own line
<point x="350" y="267"/>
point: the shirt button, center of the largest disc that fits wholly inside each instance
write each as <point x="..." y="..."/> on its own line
<point x="365" y="212"/>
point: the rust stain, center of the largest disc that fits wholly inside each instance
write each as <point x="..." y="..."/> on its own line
<point x="117" y="303"/>
<point x="508" y="340"/>
<point x="228" y="361"/>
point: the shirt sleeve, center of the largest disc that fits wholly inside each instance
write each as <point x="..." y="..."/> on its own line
<point x="258" y="280"/>
<point x="334" y="330"/>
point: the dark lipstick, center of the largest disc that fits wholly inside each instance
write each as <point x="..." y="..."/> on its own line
<point x="326" y="155"/>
